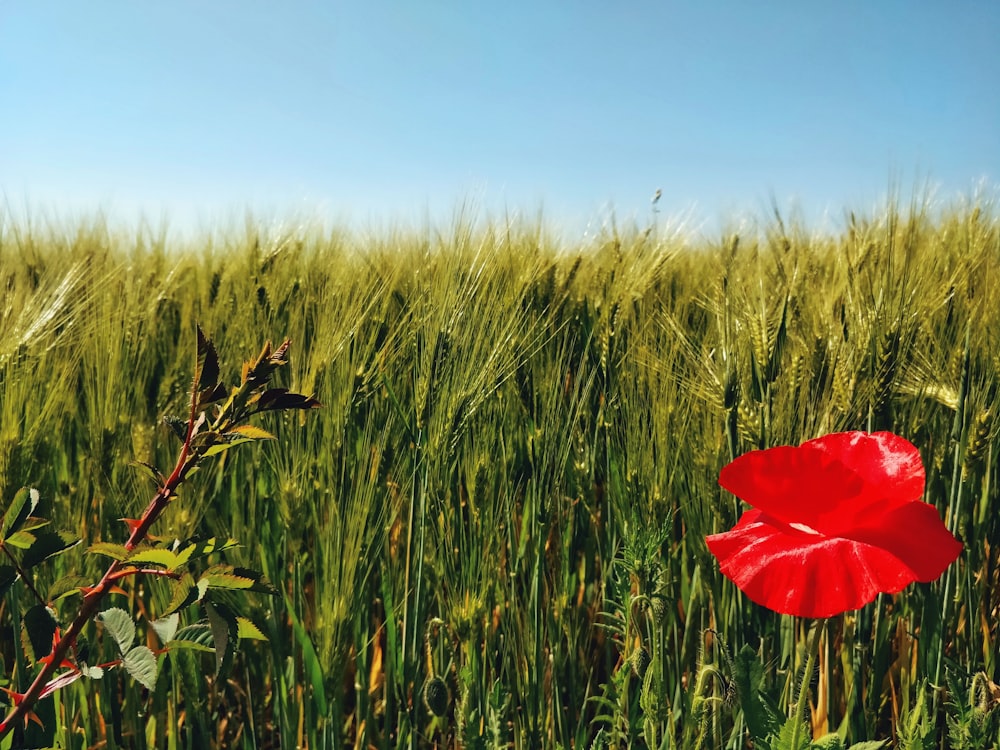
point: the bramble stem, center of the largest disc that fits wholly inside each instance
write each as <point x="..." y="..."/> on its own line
<point x="93" y="598"/>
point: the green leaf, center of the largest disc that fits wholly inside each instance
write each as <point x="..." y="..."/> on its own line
<point x="208" y="362"/>
<point x="197" y="636"/>
<point x="39" y="626"/>
<point x="260" y="584"/>
<point x="33" y="522"/>
<point x="748" y="673"/>
<point x="114" y="551"/>
<point x="208" y="443"/>
<point x="831" y="741"/>
<point x="224" y="577"/>
<point x="8" y="574"/>
<point x="47" y="544"/>
<point x="121" y="626"/>
<point x="21" y="507"/>
<point x="94" y="673"/>
<point x="279" y="399"/>
<point x="869" y="745"/>
<point x="233" y="438"/>
<point x="67" y="586"/>
<point x="310" y="659"/>
<point x="156" y="556"/>
<point x="20" y="539"/>
<point x="185" y="592"/>
<point x="166" y="627"/>
<point x="195" y="548"/>
<point x="786" y="732"/>
<point x="225" y="635"/>
<point x="141" y="664"/>
<point x="249" y="432"/>
<point x="218" y="448"/>
<point x="177" y="426"/>
<point x="246" y="629"/>
<point x="155" y="473"/>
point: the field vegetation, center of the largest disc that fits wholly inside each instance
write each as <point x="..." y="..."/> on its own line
<point x="493" y="532"/>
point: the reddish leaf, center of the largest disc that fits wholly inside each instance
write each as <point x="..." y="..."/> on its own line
<point x="209" y="361"/>
<point x="276" y="399"/>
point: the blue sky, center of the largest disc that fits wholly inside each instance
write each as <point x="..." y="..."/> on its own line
<point x="377" y="112"/>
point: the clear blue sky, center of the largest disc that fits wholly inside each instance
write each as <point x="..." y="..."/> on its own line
<point x="372" y="111"/>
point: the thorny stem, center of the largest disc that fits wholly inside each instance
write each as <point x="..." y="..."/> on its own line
<point x="239" y="406"/>
<point x="93" y="598"/>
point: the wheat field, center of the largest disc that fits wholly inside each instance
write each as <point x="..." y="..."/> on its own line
<point x="499" y="513"/>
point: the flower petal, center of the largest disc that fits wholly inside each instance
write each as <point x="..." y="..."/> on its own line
<point x="808" y="574"/>
<point x="831" y="484"/>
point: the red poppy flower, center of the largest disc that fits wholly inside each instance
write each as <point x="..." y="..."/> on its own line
<point x="834" y="522"/>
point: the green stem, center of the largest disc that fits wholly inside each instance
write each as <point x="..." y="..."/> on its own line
<point x="800" y="701"/>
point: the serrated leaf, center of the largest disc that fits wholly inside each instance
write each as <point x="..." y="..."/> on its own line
<point x="114" y="551"/>
<point x="205" y="441"/>
<point x="260" y="584"/>
<point x="194" y="548"/>
<point x="154" y="472"/>
<point x="208" y="362"/>
<point x="177" y="426"/>
<point x="155" y="556"/>
<point x="830" y="741"/>
<point x="218" y="448"/>
<point x="225" y="635"/>
<point x="185" y="592"/>
<point x="213" y="394"/>
<point x="31" y="523"/>
<point x="189" y="645"/>
<point x="225" y="580"/>
<point x="214" y="545"/>
<point x="246" y="629"/>
<point x="66" y="586"/>
<point x="47" y="544"/>
<point x="785" y="736"/>
<point x="166" y="627"/>
<point x="21" y="507"/>
<point x="20" y="539"/>
<point x="251" y="433"/>
<point x="869" y="745"/>
<point x="197" y="635"/>
<point x="184" y="556"/>
<point x="119" y="623"/>
<point x="748" y="673"/>
<point x="94" y="673"/>
<point x="38" y="627"/>
<point x="8" y="574"/>
<point x="141" y="664"/>
<point x="280" y="399"/>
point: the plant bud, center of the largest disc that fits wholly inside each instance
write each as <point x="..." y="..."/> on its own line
<point x="436" y="696"/>
<point x="658" y="609"/>
<point x="639" y="661"/>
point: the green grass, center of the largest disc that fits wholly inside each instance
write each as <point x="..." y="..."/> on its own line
<point x="522" y="440"/>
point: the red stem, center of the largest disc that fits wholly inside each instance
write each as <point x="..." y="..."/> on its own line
<point x="93" y="598"/>
<point x="144" y="572"/>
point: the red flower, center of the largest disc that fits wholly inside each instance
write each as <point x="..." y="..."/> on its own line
<point x="835" y="521"/>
